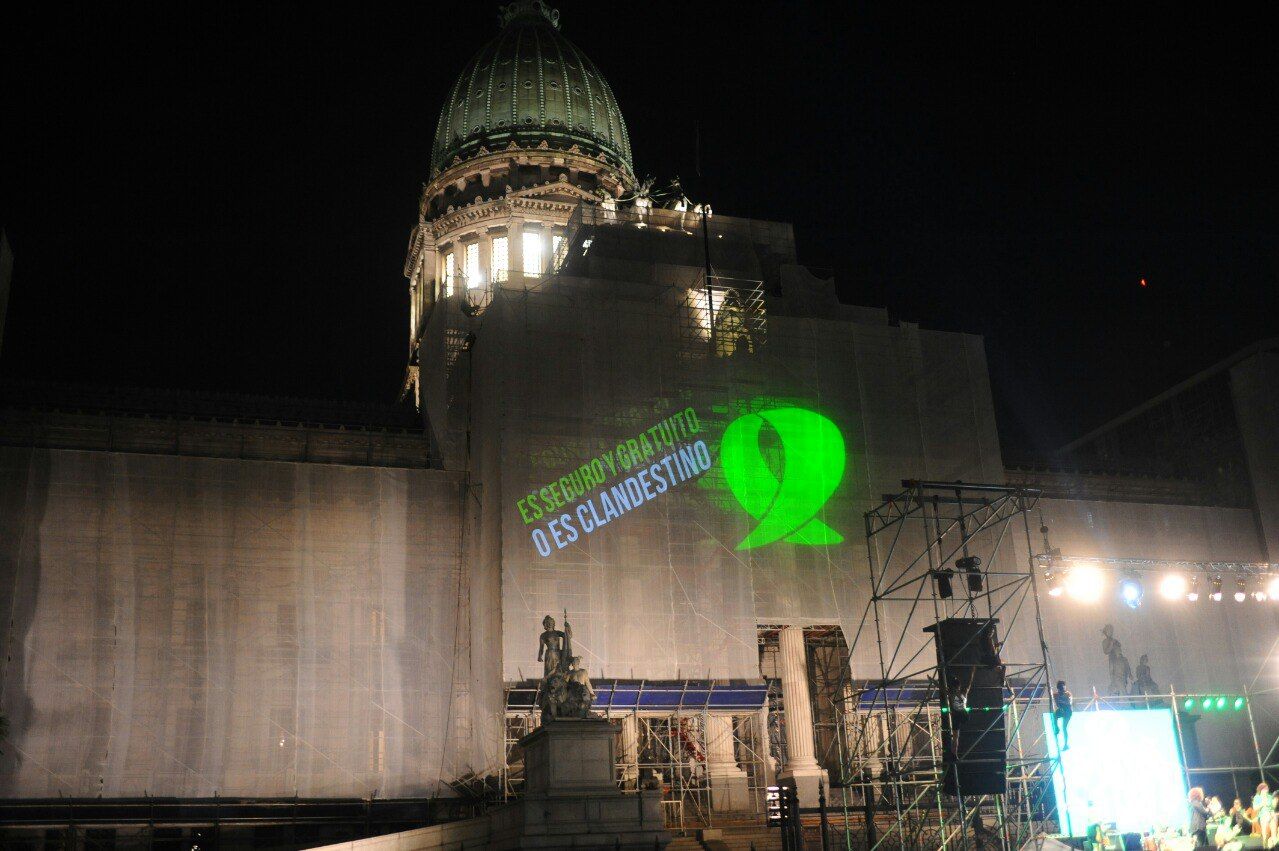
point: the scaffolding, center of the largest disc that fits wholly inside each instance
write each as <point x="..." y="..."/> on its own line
<point x="892" y="765"/>
<point x="664" y="739"/>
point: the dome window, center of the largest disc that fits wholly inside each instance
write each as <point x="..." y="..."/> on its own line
<point x="528" y="119"/>
<point x="553" y="84"/>
<point x="501" y="87"/>
<point x="577" y="90"/>
<point x="555" y="121"/>
<point x="501" y="122"/>
<point x="528" y="84"/>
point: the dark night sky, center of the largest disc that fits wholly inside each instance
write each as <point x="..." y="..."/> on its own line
<point x="219" y="197"/>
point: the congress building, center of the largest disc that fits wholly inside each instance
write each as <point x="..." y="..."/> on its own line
<point x="624" y="409"/>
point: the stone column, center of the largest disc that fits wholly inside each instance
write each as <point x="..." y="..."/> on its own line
<point x="801" y="769"/>
<point x="515" y="247"/>
<point x="729" y="787"/>
<point x="630" y="750"/>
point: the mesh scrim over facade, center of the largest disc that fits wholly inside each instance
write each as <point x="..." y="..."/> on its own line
<point x="585" y="370"/>
<point x="196" y="626"/>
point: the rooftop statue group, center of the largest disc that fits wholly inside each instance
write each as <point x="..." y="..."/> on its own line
<point x="566" y="690"/>
<point x="1121" y="675"/>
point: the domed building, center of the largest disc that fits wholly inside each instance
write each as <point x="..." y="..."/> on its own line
<point x="631" y="415"/>
<point x="530" y="130"/>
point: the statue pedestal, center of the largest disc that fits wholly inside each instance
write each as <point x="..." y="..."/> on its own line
<point x="571" y="798"/>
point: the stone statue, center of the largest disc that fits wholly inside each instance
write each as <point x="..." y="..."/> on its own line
<point x="566" y="690"/>
<point x="1120" y="670"/>
<point x="550" y="649"/>
<point x="581" y="694"/>
<point x="1143" y="683"/>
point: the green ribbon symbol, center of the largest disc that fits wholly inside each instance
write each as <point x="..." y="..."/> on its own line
<point x="812" y="465"/>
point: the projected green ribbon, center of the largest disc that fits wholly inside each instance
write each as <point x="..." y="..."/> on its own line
<point x="812" y="465"/>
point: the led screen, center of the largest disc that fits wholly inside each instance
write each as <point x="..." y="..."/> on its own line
<point x="1121" y="766"/>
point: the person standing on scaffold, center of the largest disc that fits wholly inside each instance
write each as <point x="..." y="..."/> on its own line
<point x="1063" y="708"/>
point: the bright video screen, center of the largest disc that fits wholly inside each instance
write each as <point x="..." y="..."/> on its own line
<point x="1121" y="766"/>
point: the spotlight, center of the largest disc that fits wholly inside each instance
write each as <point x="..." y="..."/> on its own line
<point x="1055" y="588"/>
<point x="1131" y="592"/>
<point x="1206" y="704"/>
<point x="1272" y="588"/>
<point x="1085" y="583"/>
<point x="944" y="589"/>
<point x="1241" y="590"/>
<point x="1188" y="704"/>
<point x="970" y="565"/>
<point x="1259" y="595"/>
<point x="1215" y="584"/>
<point x="1221" y="703"/>
<point x="1239" y="702"/>
<point x="1193" y="594"/>
<point x="1173" y="586"/>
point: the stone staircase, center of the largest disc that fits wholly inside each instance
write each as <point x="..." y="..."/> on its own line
<point x="740" y="838"/>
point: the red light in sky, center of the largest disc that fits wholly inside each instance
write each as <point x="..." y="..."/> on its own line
<point x="1143" y="282"/>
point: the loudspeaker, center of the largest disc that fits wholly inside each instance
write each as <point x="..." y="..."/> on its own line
<point x="974" y="739"/>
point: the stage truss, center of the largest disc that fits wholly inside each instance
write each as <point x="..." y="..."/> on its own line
<point x="892" y="766"/>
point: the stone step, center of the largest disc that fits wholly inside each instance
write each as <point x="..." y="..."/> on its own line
<point x="685" y="843"/>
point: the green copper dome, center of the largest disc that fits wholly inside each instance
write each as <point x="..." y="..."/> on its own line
<point x="530" y="84"/>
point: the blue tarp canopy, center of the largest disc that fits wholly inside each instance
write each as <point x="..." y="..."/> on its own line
<point x="657" y="696"/>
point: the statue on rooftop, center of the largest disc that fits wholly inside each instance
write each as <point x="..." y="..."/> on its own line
<point x="1144" y="684"/>
<point x="1120" y="669"/>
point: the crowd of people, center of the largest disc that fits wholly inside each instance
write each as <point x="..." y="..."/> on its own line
<point x="1259" y="818"/>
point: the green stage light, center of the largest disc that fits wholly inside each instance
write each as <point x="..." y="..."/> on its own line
<point x="1206" y="703"/>
<point x="1189" y="704"/>
<point x="1221" y="703"/>
<point x="945" y="710"/>
<point x="1239" y="702"/>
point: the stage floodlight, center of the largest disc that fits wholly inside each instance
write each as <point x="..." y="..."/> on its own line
<point x="1272" y="588"/>
<point x="1239" y="703"/>
<point x="1055" y="587"/>
<point x="971" y="565"/>
<point x="1259" y="595"/>
<point x="1241" y="590"/>
<point x="1188" y="704"/>
<point x="1173" y="586"/>
<point x="1215" y="584"/>
<point x="1085" y="583"/>
<point x="1206" y="704"/>
<point x="1221" y="702"/>
<point x="1193" y="594"/>
<point x="1131" y="592"/>
<point x="944" y="588"/>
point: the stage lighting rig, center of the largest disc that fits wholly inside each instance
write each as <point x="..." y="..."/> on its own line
<point x="1055" y="586"/>
<point x="1241" y="590"/>
<point x="1272" y="587"/>
<point x="1085" y="583"/>
<point x="1131" y="592"/>
<point x="944" y="588"/>
<point x="1193" y="594"/>
<point x="971" y="566"/>
<point x="1173" y="586"/>
<point x="1215" y="584"/>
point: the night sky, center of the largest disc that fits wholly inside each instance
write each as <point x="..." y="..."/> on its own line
<point x="219" y="197"/>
